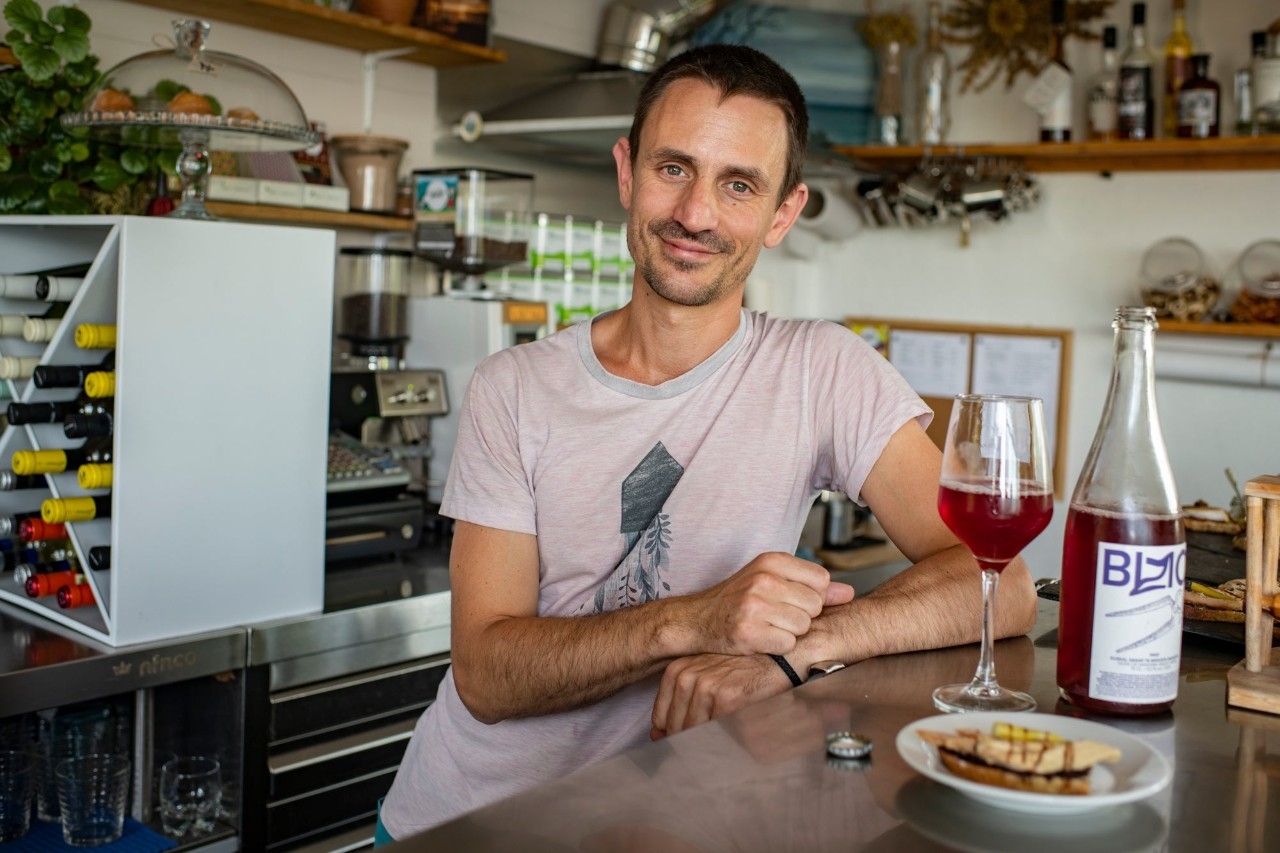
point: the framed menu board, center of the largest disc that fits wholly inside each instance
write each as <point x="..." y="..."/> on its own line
<point x="941" y="360"/>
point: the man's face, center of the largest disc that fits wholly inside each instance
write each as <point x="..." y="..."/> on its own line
<point x="703" y="193"/>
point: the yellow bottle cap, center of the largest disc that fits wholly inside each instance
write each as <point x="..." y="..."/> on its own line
<point x="100" y="383"/>
<point x="95" y="336"/>
<point x="94" y="475"/>
<point x="27" y="462"/>
<point x="62" y="510"/>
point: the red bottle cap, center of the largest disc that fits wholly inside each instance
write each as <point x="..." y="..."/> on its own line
<point x="36" y="530"/>
<point x="38" y="586"/>
<point x="74" y="595"/>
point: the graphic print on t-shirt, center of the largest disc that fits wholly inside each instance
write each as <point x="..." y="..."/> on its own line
<point x="646" y="533"/>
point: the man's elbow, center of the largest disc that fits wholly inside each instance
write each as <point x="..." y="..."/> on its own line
<point x="474" y="698"/>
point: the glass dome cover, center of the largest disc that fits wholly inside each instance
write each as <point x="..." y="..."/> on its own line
<point x="237" y="104"/>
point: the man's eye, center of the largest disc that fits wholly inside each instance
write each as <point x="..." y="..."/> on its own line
<point x="674" y="171"/>
<point x="740" y="187"/>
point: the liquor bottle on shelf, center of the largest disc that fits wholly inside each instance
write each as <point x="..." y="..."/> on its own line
<point x="1056" y="121"/>
<point x="1135" y="108"/>
<point x="63" y="510"/>
<point x="933" y="84"/>
<point x="18" y="367"/>
<point x="11" y="482"/>
<point x="1177" y="67"/>
<point x="1124" y="552"/>
<point x="70" y="375"/>
<point x="26" y="462"/>
<point x="100" y="558"/>
<point x="1104" y="90"/>
<point x="52" y="413"/>
<point x="1244" y="85"/>
<point x="1199" y="102"/>
<point x="55" y="285"/>
<point x="80" y="425"/>
<point x="48" y="583"/>
<point x="75" y="595"/>
<point x="38" y="530"/>
<point x="95" y="475"/>
<point x="96" y="336"/>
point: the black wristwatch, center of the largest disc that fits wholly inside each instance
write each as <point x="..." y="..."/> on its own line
<point x="823" y="668"/>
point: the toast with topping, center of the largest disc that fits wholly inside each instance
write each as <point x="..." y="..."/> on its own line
<point x="1046" y="765"/>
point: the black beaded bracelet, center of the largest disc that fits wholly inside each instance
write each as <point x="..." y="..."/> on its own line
<point x="786" y="667"/>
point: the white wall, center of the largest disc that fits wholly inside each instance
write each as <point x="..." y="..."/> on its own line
<point x="1068" y="263"/>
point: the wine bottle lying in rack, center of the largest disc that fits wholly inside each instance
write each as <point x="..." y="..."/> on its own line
<point x="100" y="384"/>
<point x="9" y="523"/>
<point x="96" y="336"/>
<point x="21" y="556"/>
<point x="18" y="367"/>
<point x="52" y="413"/>
<point x="39" y="530"/>
<point x="39" y="330"/>
<point x="69" y="375"/>
<point x="55" y="285"/>
<point x="26" y="571"/>
<point x="27" y="462"/>
<point x="11" y="482"/>
<point x="94" y="475"/>
<point x="63" y="510"/>
<point x="75" y="595"/>
<point x="79" y="425"/>
<point x="47" y="583"/>
<point x="100" y="558"/>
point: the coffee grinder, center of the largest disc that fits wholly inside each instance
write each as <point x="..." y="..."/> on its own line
<point x="379" y="411"/>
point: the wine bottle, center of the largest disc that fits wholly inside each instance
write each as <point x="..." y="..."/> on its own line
<point x="9" y="523"/>
<point x="1124" y="553"/>
<point x="52" y="413"/>
<point x="1199" y="102"/>
<point x="1244" y="84"/>
<point x="96" y="336"/>
<point x="62" y="510"/>
<point x="933" y="84"/>
<point x="26" y="571"/>
<point x="47" y="583"/>
<point x="55" y="285"/>
<point x="75" y="595"/>
<point x="100" y="384"/>
<point x="28" y="462"/>
<point x="100" y="558"/>
<point x="1177" y="67"/>
<point x="95" y="475"/>
<point x="10" y="482"/>
<point x="18" y="367"/>
<point x="97" y="425"/>
<point x="1056" y="121"/>
<point x="1135" y="110"/>
<point x="1103" y="91"/>
<point x="38" y="530"/>
<point x="40" y="330"/>
<point x="70" y="375"/>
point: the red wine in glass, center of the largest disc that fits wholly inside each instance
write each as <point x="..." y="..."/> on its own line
<point x="995" y="523"/>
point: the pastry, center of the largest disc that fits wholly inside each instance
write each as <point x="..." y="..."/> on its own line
<point x="1046" y="765"/>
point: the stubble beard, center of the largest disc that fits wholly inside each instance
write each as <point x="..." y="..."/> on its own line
<point x="660" y="273"/>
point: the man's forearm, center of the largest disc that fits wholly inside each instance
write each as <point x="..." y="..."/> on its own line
<point x="935" y="603"/>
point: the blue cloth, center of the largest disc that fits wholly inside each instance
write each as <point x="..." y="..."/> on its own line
<point x="380" y="835"/>
<point x="47" y="838"/>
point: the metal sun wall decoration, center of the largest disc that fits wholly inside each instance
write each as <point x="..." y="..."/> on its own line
<point x="1011" y="36"/>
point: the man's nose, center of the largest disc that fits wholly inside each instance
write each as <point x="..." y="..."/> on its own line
<point x="697" y="208"/>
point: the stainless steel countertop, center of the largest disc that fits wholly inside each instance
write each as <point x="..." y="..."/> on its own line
<point x="760" y="780"/>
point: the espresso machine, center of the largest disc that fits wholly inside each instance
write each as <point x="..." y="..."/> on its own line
<point x="380" y="412"/>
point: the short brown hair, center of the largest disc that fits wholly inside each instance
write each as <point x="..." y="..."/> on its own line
<point x="734" y="69"/>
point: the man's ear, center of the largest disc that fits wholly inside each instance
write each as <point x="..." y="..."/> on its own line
<point x="622" y="156"/>
<point x="785" y="216"/>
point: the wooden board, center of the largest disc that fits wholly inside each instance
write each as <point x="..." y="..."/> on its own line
<point x="1259" y="691"/>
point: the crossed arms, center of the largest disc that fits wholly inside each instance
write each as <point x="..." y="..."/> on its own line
<point x="711" y="646"/>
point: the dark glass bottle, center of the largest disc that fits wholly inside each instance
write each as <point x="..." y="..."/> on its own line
<point x="1124" y="552"/>
<point x="58" y="284"/>
<point x="58" y="461"/>
<point x="1199" y="102"/>
<point x="1055" y="123"/>
<point x="97" y="425"/>
<point x="10" y="481"/>
<point x="38" y="530"/>
<point x="75" y="595"/>
<point x="63" y="510"/>
<point x="48" y="583"/>
<point x="9" y="523"/>
<point x="100" y="558"/>
<point x="1135" y="107"/>
<point x="69" y="375"/>
<point x="52" y="413"/>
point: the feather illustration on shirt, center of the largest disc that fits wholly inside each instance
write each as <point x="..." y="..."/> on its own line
<point x="646" y="532"/>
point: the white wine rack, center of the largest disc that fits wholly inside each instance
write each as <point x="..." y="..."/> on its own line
<point x="220" y="422"/>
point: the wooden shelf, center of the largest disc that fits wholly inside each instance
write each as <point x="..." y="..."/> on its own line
<point x="305" y="20"/>
<point x="307" y="216"/>
<point x="1235" y="330"/>
<point x="1156" y="155"/>
<point x="7" y="57"/>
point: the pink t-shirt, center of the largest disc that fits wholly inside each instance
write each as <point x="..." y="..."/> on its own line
<point x="638" y="492"/>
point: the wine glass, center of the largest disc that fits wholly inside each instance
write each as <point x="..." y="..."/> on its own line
<point x="996" y="495"/>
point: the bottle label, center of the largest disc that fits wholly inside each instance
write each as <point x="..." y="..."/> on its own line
<point x="1198" y="109"/>
<point x="1058" y="116"/>
<point x="1134" y="107"/>
<point x="1102" y="114"/>
<point x="1137" y="624"/>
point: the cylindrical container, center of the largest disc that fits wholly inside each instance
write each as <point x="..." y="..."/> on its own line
<point x="839" y="524"/>
<point x="17" y="790"/>
<point x="92" y="793"/>
<point x="1124" y="553"/>
<point x="373" y="298"/>
<point x="1259" y="297"/>
<point x="190" y="794"/>
<point x="370" y="165"/>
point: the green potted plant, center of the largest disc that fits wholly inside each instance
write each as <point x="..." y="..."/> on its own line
<point x="45" y="168"/>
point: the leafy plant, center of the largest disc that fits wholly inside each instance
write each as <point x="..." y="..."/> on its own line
<point x="44" y="167"/>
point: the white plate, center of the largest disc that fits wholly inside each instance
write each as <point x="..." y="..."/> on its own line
<point x="1140" y="772"/>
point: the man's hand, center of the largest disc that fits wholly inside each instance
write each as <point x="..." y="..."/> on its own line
<point x="764" y="606"/>
<point x="700" y="688"/>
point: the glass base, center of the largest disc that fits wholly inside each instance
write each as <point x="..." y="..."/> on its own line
<point x="974" y="696"/>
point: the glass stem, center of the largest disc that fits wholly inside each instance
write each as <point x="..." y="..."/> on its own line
<point x="985" y="678"/>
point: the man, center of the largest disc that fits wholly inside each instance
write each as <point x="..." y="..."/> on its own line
<point x="629" y="493"/>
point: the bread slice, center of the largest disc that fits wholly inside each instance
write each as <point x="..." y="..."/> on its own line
<point x="1041" y="766"/>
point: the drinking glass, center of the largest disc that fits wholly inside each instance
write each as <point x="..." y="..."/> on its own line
<point x="996" y="495"/>
<point x="190" y="794"/>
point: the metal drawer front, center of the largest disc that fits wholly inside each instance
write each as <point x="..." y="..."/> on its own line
<point x="333" y="762"/>
<point x="324" y="811"/>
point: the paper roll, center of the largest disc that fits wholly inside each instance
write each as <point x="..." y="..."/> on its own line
<point x="1228" y="362"/>
<point x="828" y="214"/>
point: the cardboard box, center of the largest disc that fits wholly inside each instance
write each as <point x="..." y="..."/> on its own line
<point x="229" y="188"/>
<point x="283" y="193"/>
<point x="326" y="198"/>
